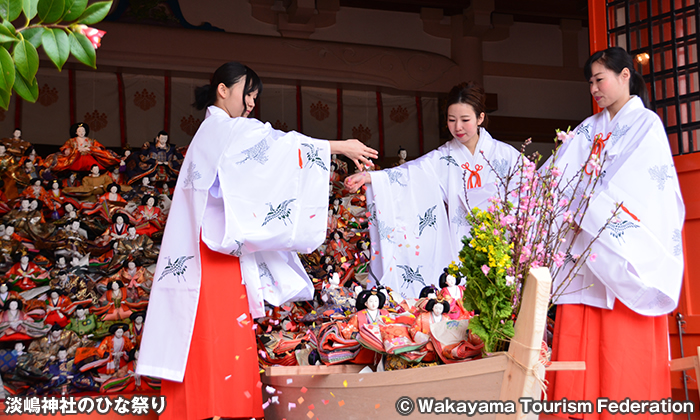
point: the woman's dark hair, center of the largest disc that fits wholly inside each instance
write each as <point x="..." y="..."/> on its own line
<point x="470" y="93"/>
<point x="443" y="279"/>
<point x="34" y="180"/>
<point x="228" y="74"/>
<point x="125" y="218"/>
<point x="20" y="305"/>
<point x="93" y="165"/>
<point x="114" y="184"/>
<point x="74" y="129"/>
<point x="617" y="59"/>
<point x="432" y="302"/>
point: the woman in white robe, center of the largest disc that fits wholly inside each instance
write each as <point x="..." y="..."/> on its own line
<point x="247" y="199"/>
<point x="612" y="316"/>
<point x="414" y="237"/>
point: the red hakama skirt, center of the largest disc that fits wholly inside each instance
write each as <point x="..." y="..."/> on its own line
<point x="222" y="377"/>
<point x="626" y="355"/>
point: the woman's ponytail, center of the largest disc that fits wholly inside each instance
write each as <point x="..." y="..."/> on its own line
<point x="204" y="96"/>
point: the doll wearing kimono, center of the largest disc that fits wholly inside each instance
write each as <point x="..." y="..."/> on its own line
<point x="452" y="291"/>
<point x="80" y="152"/>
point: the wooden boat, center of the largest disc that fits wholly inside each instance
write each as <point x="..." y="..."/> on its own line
<point x="341" y="392"/>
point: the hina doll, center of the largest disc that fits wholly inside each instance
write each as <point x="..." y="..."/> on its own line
<point x="138" y="280"/>
<point x="14" y="321"/>
<point x="92" y="186"/>
<point x="22" y="370"/>
<point x="71" y="181"/>
<point x="424" y="199"/>
<point x="35" y="190"/>
<point x="141" y="189"/>
<point x="402" y="154"/>
<point x="136" y="327"/>
<point x="9" y="187"/>
<point x="7" y="294"/>
<point x="127" y="380"/>
<point x="158" y="160"/>
<point x="116" y="232"/>
<point x="148" y="216"/>
<point x="15" y="145"/>
<point x="30" y="155"/>
<point x="114" y="305"/>
<point x="18" y="218"/>
<point x="435" y="311"/>
<point x="70" y="241"/>
<point x="114" y="348"/>
<point x="45" y="349"/>
<point x="452" y="291"/>
<point x="133" y="246"/>
<point x="338" y="247"/>
<point x="80" y="153"/>
<point x="70" y="214"/>
<point x="62" y="371"/>
<point x="83" y="323"/>
<point x="68" y="283"/>
<point x="112" y="194"/>
<point x="25" y="274"/>
<point x="370" y="304"/>
<point x="55" y="200"/>
<point x="58" y="308"/>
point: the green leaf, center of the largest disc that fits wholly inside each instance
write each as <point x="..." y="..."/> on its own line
<point x="7" y="70"/>
<point x="82" y="49"/>
<point x="50" y="11"/>
<point x="5" y="96"/>
<point x="33" y="35"/>
<point x="95" y="13"/>
<point x="56" y="45"/>
<point x="10" y="9"/>
<point x="29" y="91"/>
<point x="29" y="7"/>
<point x="6" y="35"/>
<point x="74" y="8"/>
<point x="26" y="59"/>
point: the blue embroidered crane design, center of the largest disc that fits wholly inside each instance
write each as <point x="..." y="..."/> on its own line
<point x="586" y="130"/>
<point x="500" y="166"/>
<point x="660" y="175"/>
<point x="280" y="212"/>
<point x="192" y="175"/>
<point x="617" y="229"/>
<point x="239" y="249"/>
<point x="395" y="176"/>
<point x="450" y="160"/>
<point x="617" y="133"/>
<point x="428" y="219"/>
<point x="257" y="153"/>
<point x="312" y="156"/>
<point x="177" y="268"/>
<point x="677" y="242"/>
<point x="409" y="276"/>
<point x="265" y="272"/>
<point x="460" y="219"/>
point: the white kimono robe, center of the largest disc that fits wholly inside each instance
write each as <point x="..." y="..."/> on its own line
<point x="253" y="192"/>
<point x="639" y="258"/>
<point x="413" y="235"/>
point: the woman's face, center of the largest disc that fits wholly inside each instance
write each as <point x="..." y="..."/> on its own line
<point x="372" y="303"/>
<point x="230" y="99"/>
<point x="463" y="122"/>
<point x="607" y="87"/>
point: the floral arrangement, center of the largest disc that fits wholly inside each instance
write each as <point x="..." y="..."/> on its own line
<point x="532" y="222"/>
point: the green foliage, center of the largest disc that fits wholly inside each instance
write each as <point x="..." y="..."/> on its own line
<point x="56" y="25"/>
<point x="484" y="262"/>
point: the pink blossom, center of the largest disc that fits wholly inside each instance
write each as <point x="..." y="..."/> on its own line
<point x="563" y="202"/>
<point x="593" y="257"/>
<point x="568" y="217"/>
<point x="485" y="268"/>
<point x="495" y="232"/>
<point x="510" y="219"/>
<point x="510" y="280"/>
<point x="555" y="171"/>
<point x="94" y="35"/>
<point x="558" y="258"/>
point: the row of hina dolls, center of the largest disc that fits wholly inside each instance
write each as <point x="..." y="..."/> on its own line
<point x="80" y="230"/>
<point x="356" y="325"/>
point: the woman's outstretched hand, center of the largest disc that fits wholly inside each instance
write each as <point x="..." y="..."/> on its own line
<point x="355" y="150"/>
<point x="357" y="180"/>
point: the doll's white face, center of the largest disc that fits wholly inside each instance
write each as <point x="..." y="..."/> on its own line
<point x="33" y="205"/>
<point x="138" y="320"/>
<point x="80" y="312"/>
<point x="150" y="202"/>
<point x="402" y="154"/>
<point x="2" y="149"/>
<point x="127" y="153"/>
<point x="17" y="133"/>
<point x="75" y="226"/>
<point x="69" y="208"/>
<point x="145" y="181"/>
<point x="25" y="205"/>
<point x="9" y="230"/>
<point x="3" y="288"/>
<point x="119" y="333"/>
<point x="115" y="286"/>
<point x="2" y="230"/>
<point x="372" y="303"/>
<point x="437" y="309"/>
<point x="55" y="186"/>
<point x="62" y="355"/>
<point x="132" y="231"/>
<point x="19" y="347"/>
<point x="61" y="261"/>
<point x="37" y="183"/>
<point x="451" y="281"/>
<point x="113" y="190"/>
<point x="24" y="260"/>
<point x="131" y="265"/>
<point x="72" y="177"/>
<point x="120" y="220"/>
<point x="95" y="170"/>
<point x="335" y="279"/>
<point x="162" y="139"/>
<point x="54" y="295"/>
<point x="80" y="131"/>
<point x="14" y="305"/>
